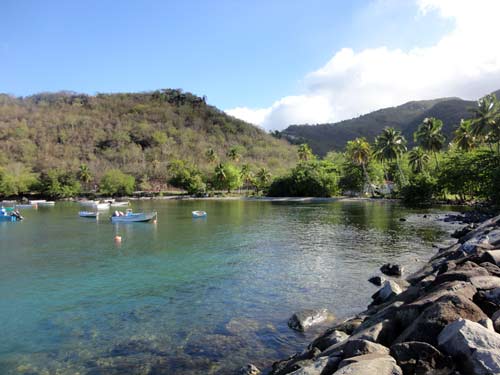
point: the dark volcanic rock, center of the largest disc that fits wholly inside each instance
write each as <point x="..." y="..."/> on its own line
<point x="391" y="269"/>
<point x="354" y="348"/>
<point x="376" y="280"/>
<point x="329" y="339"/>
<point x="249" y="370"/>
<point x="417" y="358"/>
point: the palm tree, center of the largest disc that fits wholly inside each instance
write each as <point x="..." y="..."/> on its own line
<point x="233" y="154"/>
<point x="464" y="137"/>
<point x="84" y="175"/>
<point x="486" y="120"/>
<point x="220" y="173"/>
<point x="430" y="137"/>
<point x="418" y="159"/>
<point x="211" y="155"/>
<point x="246" y="174"/>
<point x="305" y="152"/>
<point x="359" y="152"/>
<point x="263" y="177"/>
<point x="391" y="145"/>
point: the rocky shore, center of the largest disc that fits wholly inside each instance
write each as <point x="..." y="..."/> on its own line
<point x="443" y="319"/>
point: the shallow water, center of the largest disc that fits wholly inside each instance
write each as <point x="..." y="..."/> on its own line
<point x="189" y="296"/>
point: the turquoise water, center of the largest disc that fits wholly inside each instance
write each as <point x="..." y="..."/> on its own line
<point x="189" y="296"/>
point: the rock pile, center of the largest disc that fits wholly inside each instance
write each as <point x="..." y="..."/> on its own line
<point x="444" y="320"/>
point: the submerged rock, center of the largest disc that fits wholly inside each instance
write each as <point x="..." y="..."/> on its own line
<point x="376" y="280"/>
<point x="388" y="290"/>
<point x="249" y="369"/>
<point x="300" y="321"/>
<point x="476" y="347"/>
<point x="391" y="269"/>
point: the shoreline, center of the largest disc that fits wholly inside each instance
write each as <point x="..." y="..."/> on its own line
<point x="442" y="319"/>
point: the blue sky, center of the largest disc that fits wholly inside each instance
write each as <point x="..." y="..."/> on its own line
<point x="238" y="53"/>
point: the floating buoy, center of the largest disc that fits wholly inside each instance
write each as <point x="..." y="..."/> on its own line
<point x="155" y="221"/>
<point x="118" y="239"/>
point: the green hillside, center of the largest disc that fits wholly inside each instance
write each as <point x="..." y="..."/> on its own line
<point x="406" y="118"/>
<point x="139" y="133"/>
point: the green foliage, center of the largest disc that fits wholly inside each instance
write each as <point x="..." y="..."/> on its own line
<point x="227" y="177"/>
<point x="59" y="184"/>
<point x="308" y="179"/>
<point x="418" y="160"/>
<point x="16" y="179"/>
<point x="420" y="190"/>
<point x="115" y="182"/>
<point x="429" y="134"/>
<point x="186" y="176"/>
<point x="305" y="153"/>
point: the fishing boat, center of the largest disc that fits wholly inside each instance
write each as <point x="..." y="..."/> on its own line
<point x="199" y="214"/>
<point x="101" y="205"/>
<point x="130" y="217"/>
<point x="120" y="204"/>
<point x="90" y="214"/>
<point x="10" y="215"/>
<point x="88" y="203"/>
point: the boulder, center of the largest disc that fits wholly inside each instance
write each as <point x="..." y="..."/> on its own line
<point x="249" y="370"/>
<point x="376" y="280"/>
<point x="463" y="272"/>
<point x="493" y="269"/>
<point x="434" y="318"/>
<point x="471" y="344"/>
<point x="294" y="362"/>
<point x="349" y="325"/>
<point x="355" y="348"/>
<point x="492" y="256"/>
<point x="495" y="318"/>
<point x="416" y="357"/>
<point x="369" y="364"/>
<point x="388" y="290"/>
<point x="315" y="367"/>
<point x="485" y="225"/>
<point x="488" y="300"/>
<point x="329" y="339"/>
<point x="487" y="323"/>
<point x="391" y="269"/>
<point x="383" y="332"/>
<point x="300" y="321"/>
<point x="485" y="282"/>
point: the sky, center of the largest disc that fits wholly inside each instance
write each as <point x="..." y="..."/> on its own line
<point x="270" y="62"/>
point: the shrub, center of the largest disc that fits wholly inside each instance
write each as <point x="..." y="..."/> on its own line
<point x="115" y="182"/>
<point x="420" y="190"/>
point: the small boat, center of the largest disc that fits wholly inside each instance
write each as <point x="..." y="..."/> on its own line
<point x="12" y="215"/>
<point x="46" y="204"/>
<point x="130" y="217"/>
<point x="36" y="201"/>
<point x="24" y="205"/>
<point x="101" y="205"/>
<point x="199" y="214"/>
<point x="120" y="204"/>
<point x="88" y="203"/>
<point x="91" y="214"/>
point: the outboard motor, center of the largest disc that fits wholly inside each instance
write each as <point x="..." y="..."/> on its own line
<point x="17" y="215"/>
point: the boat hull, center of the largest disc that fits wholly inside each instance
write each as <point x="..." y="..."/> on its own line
<point x="89" y="214"/>
<point x="134" y="218"/>
<point x="199" y="214"/>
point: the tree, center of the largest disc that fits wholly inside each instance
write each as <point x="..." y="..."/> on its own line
<point x="359" y="153"/>
<point x="263" y="178"/>
<point x="84" y="175"/>
<point x="234" y="154"/>
<point x="464" y="136"/>
<point x="16" y="179"/>
<point x="305" y="152"/>
<point x="227" y="177"/>
<point x="246" y="174"/>
<point x="418" y="160"/>
<point x="430" y="137"/>
<point x="211" y="155"/>
<point x="59" y="184"/>
<point x="389" y="146"/>
<point x="115" y="182"/>
<point x="486" y="120"/>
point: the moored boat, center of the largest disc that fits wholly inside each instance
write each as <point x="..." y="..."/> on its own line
<point x="89" y="214"/>
<point x="199" y="214"/>
<point x="88" y="203"/>
<point x="10" y="215"/>
<point x="101" y="205"/>
<point x="120" y="204"/>
<point x="130" y="217"/>
<point x="26" y="205"/>
<point x="46" y="204"/>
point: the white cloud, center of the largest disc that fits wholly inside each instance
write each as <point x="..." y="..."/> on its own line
<point x="465" y="63"/>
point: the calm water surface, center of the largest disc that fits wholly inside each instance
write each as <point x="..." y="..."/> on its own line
<point x="189" y="296"/>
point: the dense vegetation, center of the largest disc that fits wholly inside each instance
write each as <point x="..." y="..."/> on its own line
<point x="467" y="169"/>
<point x="405" y="118"/>
<point x="62" y="144"/>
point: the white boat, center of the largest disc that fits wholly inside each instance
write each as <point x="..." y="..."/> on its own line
<point x="37" y="201"/>
<point x="88" y="203"/>
<point x="24" y="205"/>
<point x="46" y="204"/>
<point x="91" y="214"/>
<point x="120" y="204"/>
<point x="199" y="214"/>
<point x="101" y="205"/>
<point x="130" y="217"/>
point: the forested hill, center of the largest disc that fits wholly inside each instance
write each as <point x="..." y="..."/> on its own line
<point x="326" y="137"/>
<point x="139" y="133"/>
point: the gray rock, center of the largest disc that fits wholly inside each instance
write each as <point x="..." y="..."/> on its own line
<point x="383" y="332"/>
<point x="313" y="368"/>
<point x="391" y="269"/>
<point x="492" y="256"/>
<point x="492" y="268"/>
<point x="249" y="370"/>
<point x="376" y="280"/>
<point x="434" y="318"/>
<point x="496" y="320"/>
<point x="294" y="362"/>
<point x="355" y="348"/>
<point x="485" y="282"/>
<point x="472" y="344"/>
<point x="487" y="323"/>
<point x="421" y="358"/>
<point x="302" y="320"/>
<point x="369" y="364"/>
<point x="329" y="339"/>
<point x="388" y="290"/>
